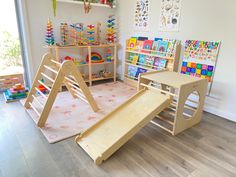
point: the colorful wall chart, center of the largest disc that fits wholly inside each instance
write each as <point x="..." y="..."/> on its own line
<point x="200" y="59"/>
<point x="170" y="15"/>
<point x="142" y="15"/>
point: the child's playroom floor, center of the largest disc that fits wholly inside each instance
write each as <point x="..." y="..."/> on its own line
<point x="206" y="150"/>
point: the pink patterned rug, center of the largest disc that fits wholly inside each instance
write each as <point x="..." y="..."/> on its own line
<point x="70" y="116"/>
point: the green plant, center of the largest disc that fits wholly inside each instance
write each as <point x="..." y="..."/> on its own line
<point x="10" y="52"/>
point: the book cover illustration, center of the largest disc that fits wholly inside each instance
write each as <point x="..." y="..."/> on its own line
<point x="131" y="57"/>
<point x="142" y="60"/>
<point x="159" y="63"/>
<point x="132" y="70"/>
<point x="162" y="47"/>
<point x="140" y="70"/>
<point x="139" y="45"/>
<point x="147" y="46"/>
<point x="132" y="43"/>
<point x="140" y="38"/>
<point x="135" y="59"/>
<point x="149" y="61"/>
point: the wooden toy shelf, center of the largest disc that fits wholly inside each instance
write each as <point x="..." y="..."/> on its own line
<point x="171" y="58"/>
<point x="82" y="3"/>
<point x="55" y="50"/>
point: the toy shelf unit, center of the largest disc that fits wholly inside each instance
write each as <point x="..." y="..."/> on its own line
<point x="88" y="60"/>
<point x="150" y="55"/>
<point x="183" y="112"/>
<point x="95" y="4"/>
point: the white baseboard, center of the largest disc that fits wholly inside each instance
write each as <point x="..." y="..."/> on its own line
<point x="225" y="115"/>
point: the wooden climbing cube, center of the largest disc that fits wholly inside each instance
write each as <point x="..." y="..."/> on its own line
<point x="188" y="97"/>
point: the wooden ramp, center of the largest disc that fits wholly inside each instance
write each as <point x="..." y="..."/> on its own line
<point x="116" y="128"/>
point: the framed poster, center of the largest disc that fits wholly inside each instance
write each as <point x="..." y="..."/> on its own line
<point x="141" y="20"/>
<point x="170" y="15"/>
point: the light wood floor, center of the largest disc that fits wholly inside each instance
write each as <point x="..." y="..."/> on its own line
<point x="208" y="149"/>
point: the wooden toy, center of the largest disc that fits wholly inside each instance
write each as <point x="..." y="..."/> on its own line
<point x="95" y="58"/>
<point x="66" y="73"/>
<point x="87" y="7"/>
<point x="90" y="34"/>
<point x="15" y="93"/>
<point x="105" y="137"/>
<point x="98" y="33"/>
<point x="111" y="32"/>
<point x="81" y="34"/>
<point x="64" y="34"/>
<point x="49" y="34"/>
<point x="108" y="55"/>
<point x="73" y="34"/>
<point x="183" y="112"/>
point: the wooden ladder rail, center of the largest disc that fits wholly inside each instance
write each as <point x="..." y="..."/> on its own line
<point x="70" y="68"/>
<point x="51" y="98"/>
<point x="45" y="61"/>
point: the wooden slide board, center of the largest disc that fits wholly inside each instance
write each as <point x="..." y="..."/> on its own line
<point x="116" y="128"/>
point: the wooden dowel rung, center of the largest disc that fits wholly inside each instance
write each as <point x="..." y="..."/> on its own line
<point x="165" y="119"/>
<point x="162" y="91"/>
<point x="47" y="77"/>
<point x="56" y="62"/>
<point x="35" y="110"/>
<point x="166" y="129"/>
<point x="188" y="115"/>
<point x="78" y="92"/>
<point x="49" y="89"/>
<point x="190" y="108"/>
<point x="41" y="93"/>
<point x="50" y="69"/>
<point x="81" y="98"/>
<point x="193" y="101"/>
<point x="75" y="86"/>
<point x="70" y="80"/>
<point x="36" y="99"/>
<point x="169" y="112"/>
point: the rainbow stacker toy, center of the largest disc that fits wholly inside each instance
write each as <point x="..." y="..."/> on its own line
<point x="111" y="33"/>
<point x="49" y="38"/>
<point x="17" y="92"/>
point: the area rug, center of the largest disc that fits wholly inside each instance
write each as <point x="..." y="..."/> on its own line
<point x="70" y="116"/>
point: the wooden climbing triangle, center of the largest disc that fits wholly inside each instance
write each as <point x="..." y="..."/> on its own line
<point x="63" y="73"/>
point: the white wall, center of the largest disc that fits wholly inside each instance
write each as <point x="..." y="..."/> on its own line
<point x="37" y="13"/>
<point x="203" y="20"/>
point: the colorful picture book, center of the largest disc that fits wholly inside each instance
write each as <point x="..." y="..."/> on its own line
<point x="139" y="45"/>
<point x="135" y="59"/>
<point x="131" y="57"/>
<point x="132" y="42"/>
<point x="132" y="70"/>
<point x="147" y="45"/>
<point x="139" y="71"/>
<point x="159" y="63"/>
<point x="142" y="60"/>
<point x="162" y="47"/>
<point x="149" y="61"/>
